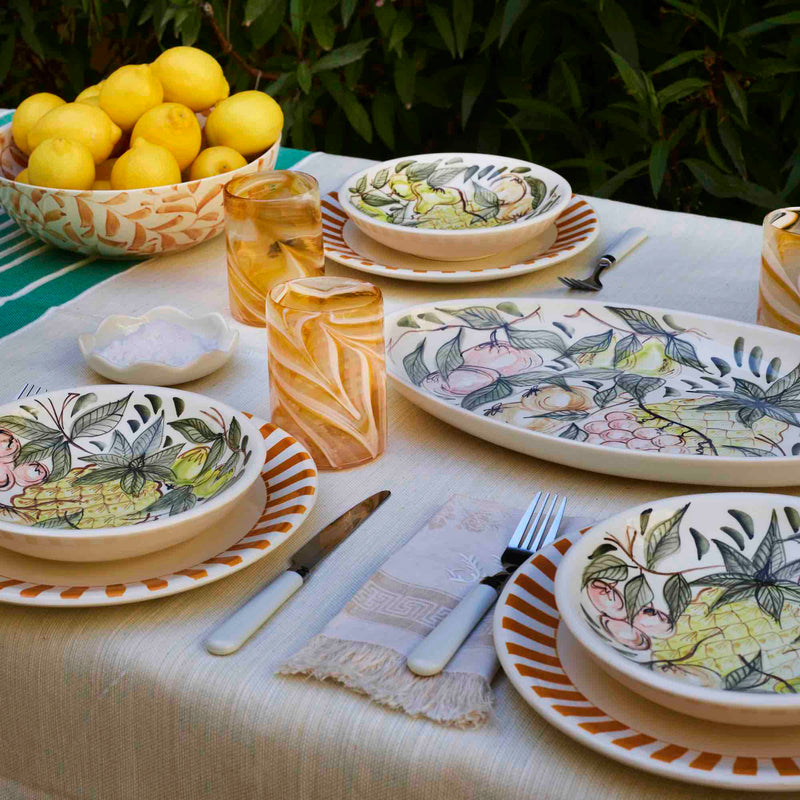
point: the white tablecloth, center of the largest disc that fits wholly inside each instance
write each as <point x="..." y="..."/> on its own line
<point x="125" y="702"/>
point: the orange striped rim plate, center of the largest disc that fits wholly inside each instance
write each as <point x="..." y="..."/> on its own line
<point x="577" y="227"/>
<point x="290" y="477"/>
<point x="555" y="677"/>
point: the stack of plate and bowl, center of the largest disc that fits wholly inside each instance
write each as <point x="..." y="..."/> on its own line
<point x="455" y="217"/>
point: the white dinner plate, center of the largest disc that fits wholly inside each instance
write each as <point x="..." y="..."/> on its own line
<point x="269" y="513"/>
<point x="555" y="676"/>
<point x="625" y="390"/>
<point x="574" y="230"/>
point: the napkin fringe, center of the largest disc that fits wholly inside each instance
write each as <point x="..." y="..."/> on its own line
<point x="459" y="699"/>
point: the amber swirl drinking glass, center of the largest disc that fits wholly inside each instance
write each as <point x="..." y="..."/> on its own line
<point x="273" y="230"/>
<point x="327" y="370"/>
<point x="779" y="286"/>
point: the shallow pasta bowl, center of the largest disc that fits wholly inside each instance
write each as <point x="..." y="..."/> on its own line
<point x="107" y="472"/>
<point x="132" y="223"/>
<point x="454" y="206"/>
<point x="693" y="602"/>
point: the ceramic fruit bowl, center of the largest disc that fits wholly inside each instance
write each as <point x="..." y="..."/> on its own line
<point x="693" y="602"/>
<point x="118" y="224"/>
<point x="454" y="206"/>
<point x="107" y="472"/>
<point x="211" y="336"/>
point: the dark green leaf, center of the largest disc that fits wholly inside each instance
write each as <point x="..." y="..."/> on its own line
<point x="376" y="200"/>
<point x="678" y="595"/>
<point x="104" y="475"/>
<point x="511" y="13"/>
<point x="771" y="553"/>
<point x="324" y="30"/>
<point x="304" y="76"/>
<point x="383" y="118"/>
<point x="194" y="430"/>
<point x="356" y="114"/>
<point x="597" y="343"/>
<point x="62" y="463"/>
<point x="100" y="420"/>
<point x="790" y="18"/>
<point x="81" y="403"/>
<point x="462" y="22"/>
<point x="403" y="25"/>
<point x="658" y="164"/>
<point x="405" y="74"/>
<point x="6" y="54"/>
<point x="165" y="457"/>
<point x="720" y="185"/>
<point x="606" y="396"/>
<point x="421" y="170"/>
<point x="737" y="94"/>
<point x="683" y="352"/>
<point x="489" y="394"/>
<point x="27" y="428"/>
<point x="638" y="386"/>
<point x="626" y="348"/>
<point x="132" y="483"/>
<point x="664" y="539"/>
<point x="348" y="9"/>
<point x="234" y="434"/>
<point x="346" y="54"/>
<point x="644" y="519"/>
<point x="619" y="29"/>
<point x="414" y="364"/>
<point x="679" y="60"/>
<point x="638" y="595"/>
<point x="631" y="77"/>
<point x="680" y="89"/>
<point x="443" y="25"/>
<point x="575" y="433"/>
<point x="36" y="450"/>
<point x="604" y="567"/>
<point x="477" y="317"/>
<point x="448" y="356"/>
<point x="748" y="676"/>
<point x="564" y="414"/>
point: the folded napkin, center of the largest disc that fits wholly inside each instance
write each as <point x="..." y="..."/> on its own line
<point x="365" y="646"/>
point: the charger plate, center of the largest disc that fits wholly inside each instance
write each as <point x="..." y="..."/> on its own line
<point x="574" y="230"/>
<point x="557" y="679"/>
<point x="269" y="513"/>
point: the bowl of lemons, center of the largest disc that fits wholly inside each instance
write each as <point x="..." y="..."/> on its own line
<point x="135" y="165"/>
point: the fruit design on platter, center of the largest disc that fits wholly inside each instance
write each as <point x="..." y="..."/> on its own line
<point x="78" y="466"/>
<point x="169" y="124"/>
<point x="620" y="380"/>
<point x="728" y="621"/>
<point x="452" y="194"/>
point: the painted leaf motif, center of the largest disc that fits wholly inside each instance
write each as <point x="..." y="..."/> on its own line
<point x="62" y="463"/>
<point x="83" y="401"/>
<point x="509" y="308"/>
<point x="536" y="340"/>
<point x="120" y="446"/>
<point x="606" y="396"/>
<point x="748" y="416"/>
<point x="538" y="190"/>
<point x="37" y="450"/>
<point x="788" y="384"/>
<point x="700" y="543"/>
<point x="752" y="452"/>
<point x="444" y="176"/>
<point x="748" y="676"/>
<point x="429" y="317"/>
<point x="381" y="178"/>
<point x="414" y="364"/>
<point x="165" y="457"/>
<point x="101" y="476"/>
<point x="149" y="440"/>
<point x="602" y="550"/>
<point x="770" y="554"/>
<point x="604" y="567"/>
<point x="564" y="415"/>
<point x="214" y="455"/>
<point x="735" y="562"/>
<point x="734" y="534"/>
<point x="194" y="430"/>
<point x="664" y="539"/>
<point x="638" y="595"/>
<point x="638" y="386"/>
<point x="625" y="348"/>
<point x="745" y="520"/>
<point x="575" y="433"/>
<point x="100" y="420"/>
<point x="478" y="317"/>
<point x="644" y="520"/>
<point x="749" y="389"/>
<point x="683" y="352"/>
<point x="485" y="198"/>
<point x="407" y="322"/>
<point x="678" y="595"/>
<point x="171" y="499"/>
<point x="27" y="428"/>
<point x="770" y="601"/>
<point x="597" y="343"/>
<point x="107" y="460"/>
<point x="638" y="320"/>
<point x="781" y="414"/>
<point x="421" y="171"/>
<point x="488" y="394"/>
<point x="448" y="356"/>
<point x="234" y="434"/>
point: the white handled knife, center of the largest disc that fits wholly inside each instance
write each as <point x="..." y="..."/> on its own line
<point x="242" y="624"/>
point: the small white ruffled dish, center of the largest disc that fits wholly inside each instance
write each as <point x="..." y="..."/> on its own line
<point x="210" y="327"/>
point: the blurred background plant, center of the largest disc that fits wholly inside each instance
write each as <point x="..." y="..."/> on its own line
<point x="691" y="106"/>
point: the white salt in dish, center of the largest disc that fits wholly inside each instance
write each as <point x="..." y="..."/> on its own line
<point x="163" y="347"/>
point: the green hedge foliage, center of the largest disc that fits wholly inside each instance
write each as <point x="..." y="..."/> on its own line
<point x="691" y="106"/>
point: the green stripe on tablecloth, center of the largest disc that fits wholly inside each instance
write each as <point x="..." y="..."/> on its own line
<point x="35" y="277"/>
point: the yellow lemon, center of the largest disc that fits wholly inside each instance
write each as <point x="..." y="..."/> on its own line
<point x="89" y="92"/>
<point x="215" y="161"/>
<point x="101" y="185"/>
<point x="249" y="122"/>
<point x="94" y="100"/>
<point x="103" y="171"/>
<point x="84" y="123"/>
<point x="28" y="113"/>
<point x="145" y="164"/>
<point x="191" y="77"/>
<point x="61" y="163"/>
<point x="173" y="126"/>
<point x="23" y="177"/>
<point x="129" y="92"/>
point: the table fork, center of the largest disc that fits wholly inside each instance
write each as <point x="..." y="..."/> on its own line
<point x="616" y="252"/>
<point x="537" y="528"/>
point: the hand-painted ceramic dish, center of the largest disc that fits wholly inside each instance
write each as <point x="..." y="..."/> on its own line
<point x="105" y="472"/>
<point x="454" y="206"/>
<point x="133" y="223"/>
<point x="620" y="389"/>
<point x="694" y="603"/>
<point x="575" y="229"/>
<point x="552" y="673"/>
<point x="212" y="328"/>
<point x="254" y="527"/>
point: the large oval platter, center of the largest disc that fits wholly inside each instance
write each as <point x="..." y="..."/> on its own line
<point x="620" y="389"/>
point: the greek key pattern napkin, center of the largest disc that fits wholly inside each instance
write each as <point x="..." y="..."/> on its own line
<point x="365" y="646"/>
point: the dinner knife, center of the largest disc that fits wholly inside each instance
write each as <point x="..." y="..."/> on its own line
<point x="242" y="624"/>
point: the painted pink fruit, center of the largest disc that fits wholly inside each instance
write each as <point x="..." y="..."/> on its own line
<point x="641" y="444"/>
<point x="653" y="622"/>
<point x="617" y="436"/>
<point x="595" y="439"/>
<point x="667" y="440"/>
<point x="646" y="433"/>
<point x="624" y="633"/>
<point x="461" y="382"/>
<point x="7" y="479"/>
<point x="676" y="448"/>
<point x="616" y="415"/>
<point x="598" y="426"/>
<point x="501" y="357"/>
<point x="31" y="474"/>
<point x="9" y="446"/>
<point x="618" y="445"/>
<point x="606" y="599"/>
<point x="691" y="673"/>
<point x="623" y="424"/>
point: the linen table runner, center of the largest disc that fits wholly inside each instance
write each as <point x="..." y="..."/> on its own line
<point x="365" y="646"/>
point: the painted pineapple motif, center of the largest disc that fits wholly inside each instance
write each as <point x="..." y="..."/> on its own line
<point x="631" y="382"/>
<point x="121" y="481"/>
<point x="737" y="628"/>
